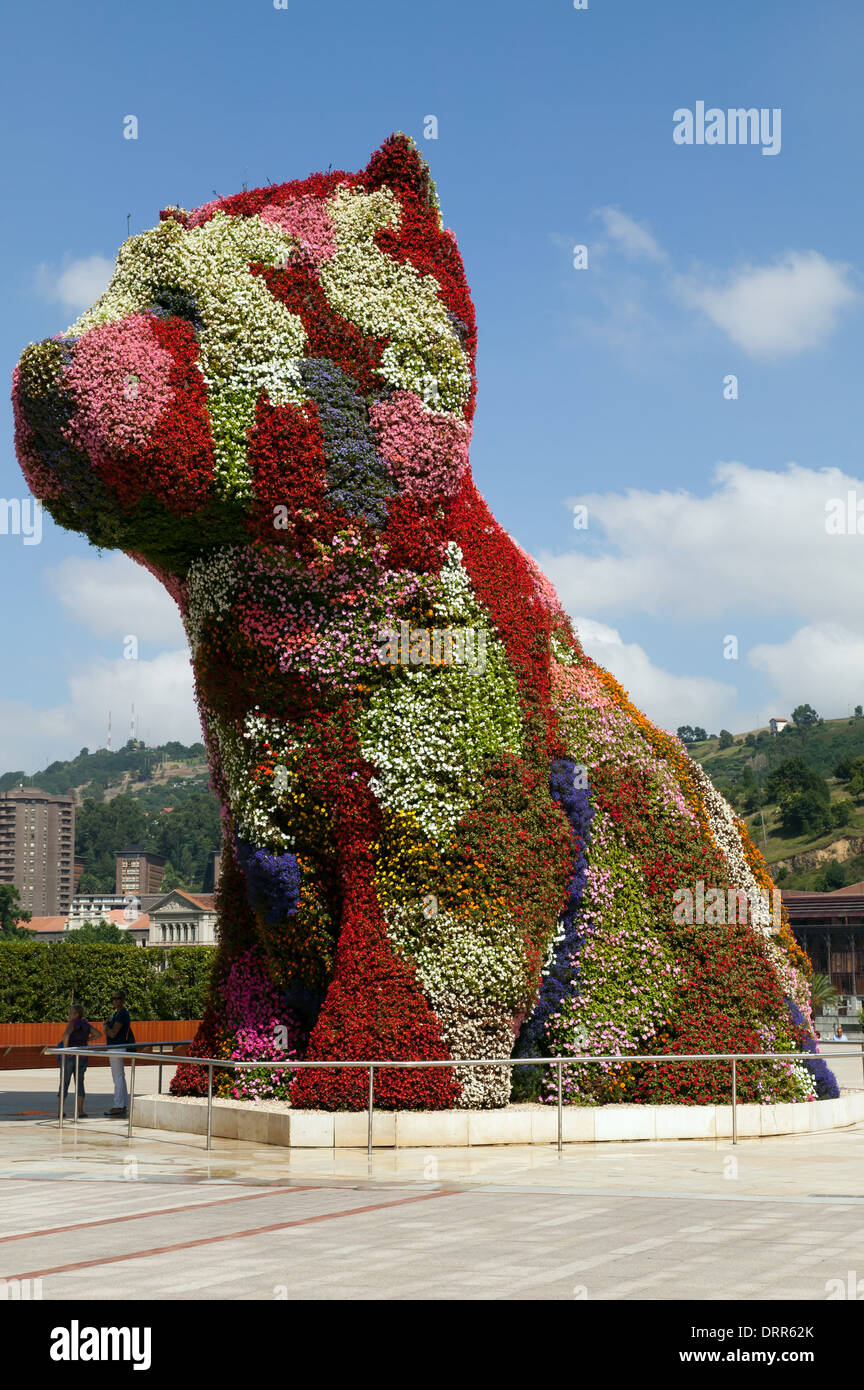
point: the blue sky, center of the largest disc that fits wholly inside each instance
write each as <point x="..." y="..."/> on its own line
<point x="602" y="386"/>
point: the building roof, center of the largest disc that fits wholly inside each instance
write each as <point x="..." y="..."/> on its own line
<point x="43" y="924"/>
<point x="26" y="793"/>
<point x="841" y="908"/>
<point x="205" y="902"/>
<point x="115" y="916"/>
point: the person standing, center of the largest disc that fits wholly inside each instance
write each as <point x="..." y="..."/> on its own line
<point x="118" y="1035"/>
<point x="77" y="1033"/>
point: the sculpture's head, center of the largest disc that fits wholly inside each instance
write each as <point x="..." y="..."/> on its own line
<point x="280" y="362"/>
<point x="270" y="408"/>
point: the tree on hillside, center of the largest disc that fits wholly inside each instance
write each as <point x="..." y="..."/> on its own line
<point x="726" y="739"/>
<point x="830" y="877"/>
<point x="102" y="829"/>
<point x="805" y="718"/>
<point x="851" y="770"/>
<point x="794" y="775"/>
<point x="859" y="711"/>
<point x="803" y="813"/>
<point x="691" y="733"/>
<point x="187" y="836"/>
<point x="12" y="914"/>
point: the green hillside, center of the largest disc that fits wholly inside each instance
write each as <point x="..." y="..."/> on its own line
<point x="93" y="773"/>
<point x="800" y="793"/>
<point x="158" y="798"/>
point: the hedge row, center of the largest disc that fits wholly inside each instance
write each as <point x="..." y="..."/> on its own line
<point x="39" y="981"/>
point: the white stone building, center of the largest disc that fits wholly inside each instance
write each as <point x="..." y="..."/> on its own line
<point x="178" y="918"/>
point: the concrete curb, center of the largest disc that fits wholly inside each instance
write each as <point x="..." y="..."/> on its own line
<point x="516" y="1124"/>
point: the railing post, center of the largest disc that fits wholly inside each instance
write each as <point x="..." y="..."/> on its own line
<point x="209" y="1103"/>
<point x="560" y="1111"/>
<point x="77" y="1074"/>
<point x="371" y="1102"/>
<point x="62" y="1083"/>
<point x="131" y="1097"/>
<point x="734" y="1100"/>
<point x="161" y="1050"/>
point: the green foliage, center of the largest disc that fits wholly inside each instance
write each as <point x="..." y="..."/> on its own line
<point x="691" y="734"/>
<point x="822" y="993"/>
<point x="101" y="829"/>
<point x="805" y="813"/>
<point x="804" y="717"/>
<point x="12" y="914"/>
<point x="38" y="981"/>
<point x="181" y="990"/>
<point x="188" y="835"/>
<point x="106" y="767"/>
<point x="851" y="770"/>
<point x="830" y="877"/>
<point x="103" y="931"/>
<point x="185" y="835"/>
<point x="726" y="739"/>
<point x="794" y="775"/>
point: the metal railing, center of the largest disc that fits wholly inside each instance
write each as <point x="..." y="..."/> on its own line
<point x="104" y="1048"/>
<point x="229" y="1064"/>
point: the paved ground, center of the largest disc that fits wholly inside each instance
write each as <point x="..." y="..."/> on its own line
<point x="95" y="1215"/>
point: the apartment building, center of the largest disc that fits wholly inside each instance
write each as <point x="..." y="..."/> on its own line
<point x="139" y="872"/>
<point x="37" y="846"/>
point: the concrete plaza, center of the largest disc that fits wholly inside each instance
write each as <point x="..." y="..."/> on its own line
<point x="95" y="1215"/>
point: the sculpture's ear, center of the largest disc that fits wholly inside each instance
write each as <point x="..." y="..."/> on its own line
<point x="398" y="164"/>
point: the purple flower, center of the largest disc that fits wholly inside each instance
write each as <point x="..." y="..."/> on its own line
<point x="272" y="882"/>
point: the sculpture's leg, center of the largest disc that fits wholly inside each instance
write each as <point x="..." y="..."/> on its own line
<point x="374" y="1008"/>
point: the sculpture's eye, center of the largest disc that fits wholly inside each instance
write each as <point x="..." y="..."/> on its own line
<point x="173" y="301"/>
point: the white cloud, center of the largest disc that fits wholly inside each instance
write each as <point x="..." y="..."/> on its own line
<point x="776" y="310"/>
<point x="757" y="544"/>
<point x="631" y="236"/>
<point x="161" y="690"/>
<point x="667" y="699"/>
<point x="114" y="597"/>
<point x="76" y="284"/>
<point x="821" y="664"/>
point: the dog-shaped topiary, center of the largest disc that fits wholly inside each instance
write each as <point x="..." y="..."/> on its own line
<point x="448" y="834"/>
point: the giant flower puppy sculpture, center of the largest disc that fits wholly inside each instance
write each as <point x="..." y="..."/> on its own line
<point x="448" y="834"/>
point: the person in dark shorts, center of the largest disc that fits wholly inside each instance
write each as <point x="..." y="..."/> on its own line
<point x="77" y="1033"/>
<point x="118" y="1034"/>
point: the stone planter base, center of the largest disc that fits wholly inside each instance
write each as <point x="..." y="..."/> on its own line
<point x="516" y="1124"/>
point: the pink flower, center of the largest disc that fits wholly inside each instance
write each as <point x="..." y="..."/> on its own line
<point x="308" y="220"/>
<point x="425" y="450"/>
<point x="120" y="378"/>
<point x="203" y="214"/>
